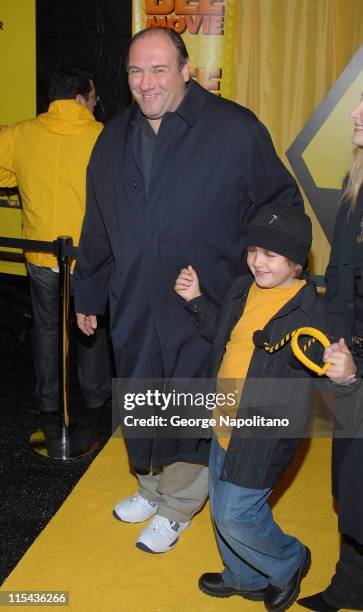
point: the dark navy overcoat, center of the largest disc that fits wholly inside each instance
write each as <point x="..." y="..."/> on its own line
<point x="213" y="165"/>
<point x="347" y="459"/>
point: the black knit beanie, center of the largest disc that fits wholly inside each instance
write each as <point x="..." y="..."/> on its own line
<point x="282" y="228"/>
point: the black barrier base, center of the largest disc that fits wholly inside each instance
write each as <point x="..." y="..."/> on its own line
<point x="55" y="441"/>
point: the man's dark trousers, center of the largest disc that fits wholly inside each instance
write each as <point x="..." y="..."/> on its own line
<point x="93" y="353"/>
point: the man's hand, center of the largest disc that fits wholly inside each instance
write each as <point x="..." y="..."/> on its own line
<point x="187" y="284"/>
<point x="342" y="368"/>
<point x="86" y="323"/>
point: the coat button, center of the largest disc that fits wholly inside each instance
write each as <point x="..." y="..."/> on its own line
<point x="134" y="183"/>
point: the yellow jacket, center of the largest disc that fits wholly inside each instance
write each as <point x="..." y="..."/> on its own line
<point x="48" y="156"/>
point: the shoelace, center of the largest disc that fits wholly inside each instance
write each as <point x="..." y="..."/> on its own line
<point x="159" y="525"/>
<point x="133" y="498"/>
<point x="175" y="526"/>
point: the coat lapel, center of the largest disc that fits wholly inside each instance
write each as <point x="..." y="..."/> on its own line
<point x="128" y="180"/>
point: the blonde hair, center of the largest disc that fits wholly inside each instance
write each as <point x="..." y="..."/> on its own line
<point x="355" y="179"/>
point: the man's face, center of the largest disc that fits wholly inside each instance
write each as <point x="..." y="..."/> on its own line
<point x="155" y="78"/>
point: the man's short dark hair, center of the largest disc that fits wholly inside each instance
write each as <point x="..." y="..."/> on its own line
<point x="67" y="83"/>
<point x="175" y="38"/>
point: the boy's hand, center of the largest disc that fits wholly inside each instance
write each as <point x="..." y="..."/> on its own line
<point x="187" y="284"/>
<point x="86" y="323"/>
<point x="342" y="368"/>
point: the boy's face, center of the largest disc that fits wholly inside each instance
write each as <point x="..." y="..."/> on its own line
<point x="270" y="269"/>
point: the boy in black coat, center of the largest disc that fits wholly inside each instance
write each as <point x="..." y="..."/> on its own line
<point x="261" y="562"/>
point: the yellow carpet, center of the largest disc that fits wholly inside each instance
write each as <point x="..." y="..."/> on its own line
<point x="85" y="551"/>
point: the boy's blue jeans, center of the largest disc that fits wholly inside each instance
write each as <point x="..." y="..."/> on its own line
<point x="254" y="550"/>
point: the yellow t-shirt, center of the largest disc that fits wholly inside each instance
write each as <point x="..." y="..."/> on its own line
<point x="261" y="305"/>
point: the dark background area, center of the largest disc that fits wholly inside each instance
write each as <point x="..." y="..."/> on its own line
<point x="34" y="487"/>
<point x="93" y="34"/>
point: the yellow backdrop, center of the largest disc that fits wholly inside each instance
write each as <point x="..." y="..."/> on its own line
<point x="209" y="31"/>
<point x="18" y="93"/>
<point x="287" y="55"/>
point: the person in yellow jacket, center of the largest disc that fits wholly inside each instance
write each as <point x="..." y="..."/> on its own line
<point x="47" y="157"/>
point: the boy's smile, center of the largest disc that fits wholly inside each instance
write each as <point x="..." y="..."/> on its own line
<point x="270" y="269"/>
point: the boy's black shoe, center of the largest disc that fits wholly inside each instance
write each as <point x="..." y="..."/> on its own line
<point x="212" y="584"/>
<point x="278" y="599"/>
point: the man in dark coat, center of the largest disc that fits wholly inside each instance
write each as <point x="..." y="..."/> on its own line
<point x="173" y="179"/>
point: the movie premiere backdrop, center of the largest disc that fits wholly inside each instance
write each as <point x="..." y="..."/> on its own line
<point x="17" y="102"/>
<point x="298" y="64"/>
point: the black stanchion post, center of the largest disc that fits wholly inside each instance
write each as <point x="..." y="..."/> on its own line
<point x="55" y="439"/>
<point x="64" y="300"/>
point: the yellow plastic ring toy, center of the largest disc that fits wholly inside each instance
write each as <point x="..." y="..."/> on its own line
<point x="317" y="335"/>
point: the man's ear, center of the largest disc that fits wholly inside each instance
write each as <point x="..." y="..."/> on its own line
<point x="80" y="99"/>
<point x="185" y="71"/>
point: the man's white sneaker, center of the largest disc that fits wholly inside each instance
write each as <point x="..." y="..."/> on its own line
<point x="134" y="509"/>
<point x="160" y="535"/>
